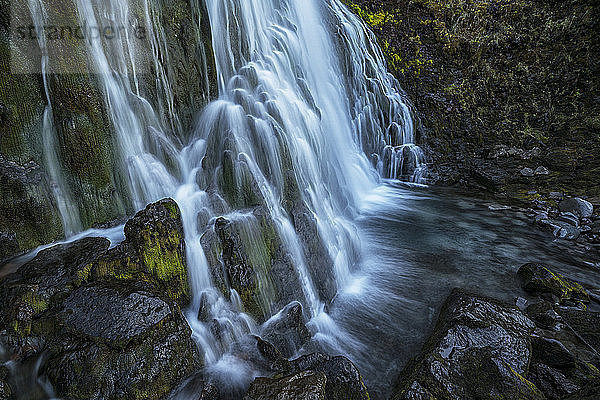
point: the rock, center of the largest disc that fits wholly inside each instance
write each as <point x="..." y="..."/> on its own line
<point x="541" y="171"/>
<point x="344" y="381"/>
<point x="204" y="313"/>
<point x="28" y="213"/>
<point x="5" y="389"/>
<point x="569" y="218"/>
<point x="131" y="344"/>
<point x="528" y="172"/>
<point x="115" y="314"/>
<point x="479" y="349"/>
<point x="552" y="352"/>
<point x="556" y="196"/>
<point x="577" y="206"/>
<point x="153" y="252"/>
<point x="541" y="218"/>
<point x="565" y="230"/>
<point x="308" y="385"/>
<point x="247" y="255"/>
<point x="538" y="278"/>
<point x="287" y="330"/>
<point x="276" y="361"/>
<point x="584" y="323"/>
<point x="41" y="284"/>
<point x="543" y="314"/>
<point x="589" y="392"/>
<point x="595" y="227"/>
<point x="552" y="382"/>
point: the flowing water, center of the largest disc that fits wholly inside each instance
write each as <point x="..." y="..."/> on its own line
<point x="307" y="116"/>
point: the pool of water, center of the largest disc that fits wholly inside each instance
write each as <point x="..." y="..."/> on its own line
<point x="419" y="244"/>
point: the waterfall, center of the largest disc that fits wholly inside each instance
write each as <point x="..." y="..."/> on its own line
<point x="69" y="214"/>
<point x="307" y="122"/>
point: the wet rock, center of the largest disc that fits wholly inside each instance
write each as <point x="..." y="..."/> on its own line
<point x="130" y="343"/>
<point x="552" y="352"/>
<point x="480" y="348"/>
<point x="287" y="330"/>
<point x="204" y="310"/>
<point x="308" y="385"/>
<point x="528" y="172"/>
<point x="552" y="382"/>
<point x="556" y="196"/>
<point x="153" y="252"/>
<point x="111" y="313"/>
<point x="543" y="314"/>
<point x="584" y="323"/>
<point x="589" y="392"/>
<point x="28" y="213"/>
<point x="595" y="227"/>
<point x="276" y="361"/>
<point x="577" y="206"/>
<point x="41" y="284"/>
<point x="569" y="218"/>
<point x="541" y="171"/>
<point x="246" y="254"/>
<point x="538" y="278"/>
<point x="566" y="231"/>
<point x="9" y="245"/>
<point x="344" y="381"/>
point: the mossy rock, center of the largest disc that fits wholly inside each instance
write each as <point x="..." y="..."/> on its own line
<point x="120" y="342"/>
<point x="153" y="252"/>
<point x="480" y="348"/>
<point x="539" y="279"/>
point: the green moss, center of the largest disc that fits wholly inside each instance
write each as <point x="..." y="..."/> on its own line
<point x="539" y="278"/>
<point x="164" y="260"/>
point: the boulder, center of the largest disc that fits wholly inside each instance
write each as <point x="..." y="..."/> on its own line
<point x="528" y="172"/>
<point x="479" y="349"/>
<point x="589" y="392"/>
<point x="584" y="323"/>
<point x="132" y="344"/>
<point x="539" y="279"/>
<point x="113" y="313"/>
<point x="287" y="330"/>
<point x="40" y="285"/>
<point x="553" y="383"/>
<point x="541" y="170"/>
<point x="153" y="252"/>
<point x="245" y="253"/>
<point x="307" y="385"/>
<point x="344" y="381"/>
<point x="577" y="206"/>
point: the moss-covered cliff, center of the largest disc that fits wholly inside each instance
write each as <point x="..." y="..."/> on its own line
<point x="521" y="73"/>
<point x="83" y="140"/>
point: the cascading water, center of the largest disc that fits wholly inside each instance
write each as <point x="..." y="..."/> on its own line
<point x="304" y="102"/>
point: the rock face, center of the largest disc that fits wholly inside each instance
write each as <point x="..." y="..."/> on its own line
<point x="537" y="278"/>
<point x="113" y="313"/>
<point x="83" y="137"/>
<point x="480" y="349"/>
<point x="246" y="254"/>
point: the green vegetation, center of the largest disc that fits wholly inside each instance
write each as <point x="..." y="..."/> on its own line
<point x="516" y="72"/>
